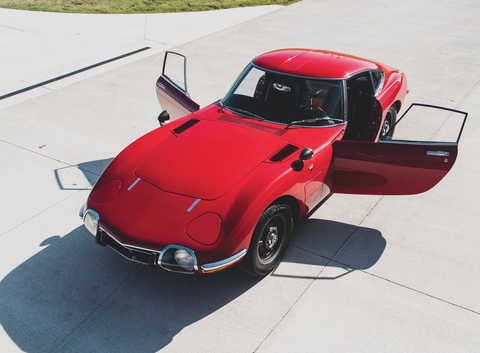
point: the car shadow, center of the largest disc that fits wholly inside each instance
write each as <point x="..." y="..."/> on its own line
<point x="342" y="245"/>
<point x="74" y="294"/>
<point x="68" y="177"/>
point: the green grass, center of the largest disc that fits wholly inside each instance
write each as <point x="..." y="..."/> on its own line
<point x="133" y="6"/>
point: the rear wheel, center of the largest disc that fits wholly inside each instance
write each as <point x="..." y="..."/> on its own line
<point x="388" y="125"/>
<point x="269" y="241"/>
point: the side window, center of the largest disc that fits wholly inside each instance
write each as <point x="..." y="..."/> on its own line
<point x="378" y="77"/>
<point x="174" y="68"/>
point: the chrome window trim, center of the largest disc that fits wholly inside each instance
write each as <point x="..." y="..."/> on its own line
<point x="184" y="91"/>
<point x="376" y="91"/>
<point x="214" y="266"/>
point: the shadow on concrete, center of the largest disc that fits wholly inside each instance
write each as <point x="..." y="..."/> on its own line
<point x="77" y="296"/>
<point x="90" y="170"/>
<point x="74" y="295"/>
<point x="339" y="244"/>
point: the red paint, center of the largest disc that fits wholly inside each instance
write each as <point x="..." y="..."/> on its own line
<point x="223" y="159"/>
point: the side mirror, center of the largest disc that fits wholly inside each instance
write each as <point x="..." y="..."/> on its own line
<point x="164" y="116"/>
<point x="306" y="154"/>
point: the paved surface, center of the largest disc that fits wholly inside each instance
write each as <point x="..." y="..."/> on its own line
<point x="38" y="46"/>
<point x="364" y="273"/>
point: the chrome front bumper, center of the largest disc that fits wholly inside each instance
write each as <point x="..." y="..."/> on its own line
<point x="152" y="258"/>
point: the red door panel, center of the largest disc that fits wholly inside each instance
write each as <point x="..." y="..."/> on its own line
<point x="171" y="87"/>
<point x="390" y="168"/>
<point x="173" y="99"/>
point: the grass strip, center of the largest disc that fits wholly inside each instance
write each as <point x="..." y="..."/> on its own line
<point x="133" y="6"/>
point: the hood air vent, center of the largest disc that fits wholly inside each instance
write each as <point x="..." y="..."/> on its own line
<point x="185" y="126"/>
<point x="285" y="152"/>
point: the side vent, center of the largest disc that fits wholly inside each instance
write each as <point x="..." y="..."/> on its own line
<point x="185" y="126"/>
<point x="285" y="152"/>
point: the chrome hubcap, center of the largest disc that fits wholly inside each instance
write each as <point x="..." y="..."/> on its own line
<point x="386" y="127"/>
<point x="272" y="238"/>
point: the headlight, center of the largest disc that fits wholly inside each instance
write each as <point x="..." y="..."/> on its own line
<point x="91" y="221"/>
<point x="184" y="259"/>
<point x="177" y="258"/>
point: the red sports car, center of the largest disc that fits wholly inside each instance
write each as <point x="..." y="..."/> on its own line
<point x="225" y="184"/>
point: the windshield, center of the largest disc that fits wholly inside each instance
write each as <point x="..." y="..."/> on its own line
<point x="286" y="99"/>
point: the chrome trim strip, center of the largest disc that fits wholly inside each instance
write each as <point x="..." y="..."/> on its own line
<point x="134" y="183"/>
<point x="193" y="205"/>
<point x="215" y="266"/>
<point x="438" y="153"/>
<point x="132" y="247"/>
<point x="126" y="245"/>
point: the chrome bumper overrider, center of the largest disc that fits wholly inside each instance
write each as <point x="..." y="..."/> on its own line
<point x="154" y="258"/>
<point x="220" y="265"/>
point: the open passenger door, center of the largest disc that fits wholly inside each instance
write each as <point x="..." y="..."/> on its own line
<point x="171" y="87"/>
<point x="401" y="165"/>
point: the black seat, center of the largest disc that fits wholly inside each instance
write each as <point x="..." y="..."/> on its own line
<point x="283" y="93"/>
<point x="360" y="102"/>
<point x="331" y="102"/>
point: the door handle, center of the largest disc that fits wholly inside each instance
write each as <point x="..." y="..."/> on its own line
<point x="438" y="153"/>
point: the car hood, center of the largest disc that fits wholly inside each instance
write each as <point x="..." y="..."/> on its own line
<point x="207" y="158"/>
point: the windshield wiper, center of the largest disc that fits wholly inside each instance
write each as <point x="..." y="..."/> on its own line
<point x="313" y="120"/>
<point x="242" y="111"/>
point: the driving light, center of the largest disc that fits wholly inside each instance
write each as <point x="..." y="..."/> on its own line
<point x="177" y="258"/>
<point x="184" y="259"/>
<point x="91" y="221"/>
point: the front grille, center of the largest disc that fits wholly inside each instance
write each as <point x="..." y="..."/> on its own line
<point x="145" y="257"/>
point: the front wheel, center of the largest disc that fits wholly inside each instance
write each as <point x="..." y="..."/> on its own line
<point x="269" y="241"/>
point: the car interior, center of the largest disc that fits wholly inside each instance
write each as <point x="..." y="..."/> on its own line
<point x="360" y="104"/>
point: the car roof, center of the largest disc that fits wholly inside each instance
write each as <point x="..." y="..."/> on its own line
<point x="315" y="63"/>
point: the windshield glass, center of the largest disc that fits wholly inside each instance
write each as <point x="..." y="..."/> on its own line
<point x="286" y="99"/>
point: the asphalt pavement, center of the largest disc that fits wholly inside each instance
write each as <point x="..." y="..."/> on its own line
<point x="362" y="274"/>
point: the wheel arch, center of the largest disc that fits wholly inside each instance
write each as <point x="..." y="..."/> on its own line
<point x="397" y="104"/>
<point x="291" y="202"/>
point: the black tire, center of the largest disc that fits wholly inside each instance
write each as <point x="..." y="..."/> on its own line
<point x="388" y="128"/>
<point x="269" y="241"/>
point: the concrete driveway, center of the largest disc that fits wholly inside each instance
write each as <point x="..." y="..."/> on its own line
<point x="362" y="274"/>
